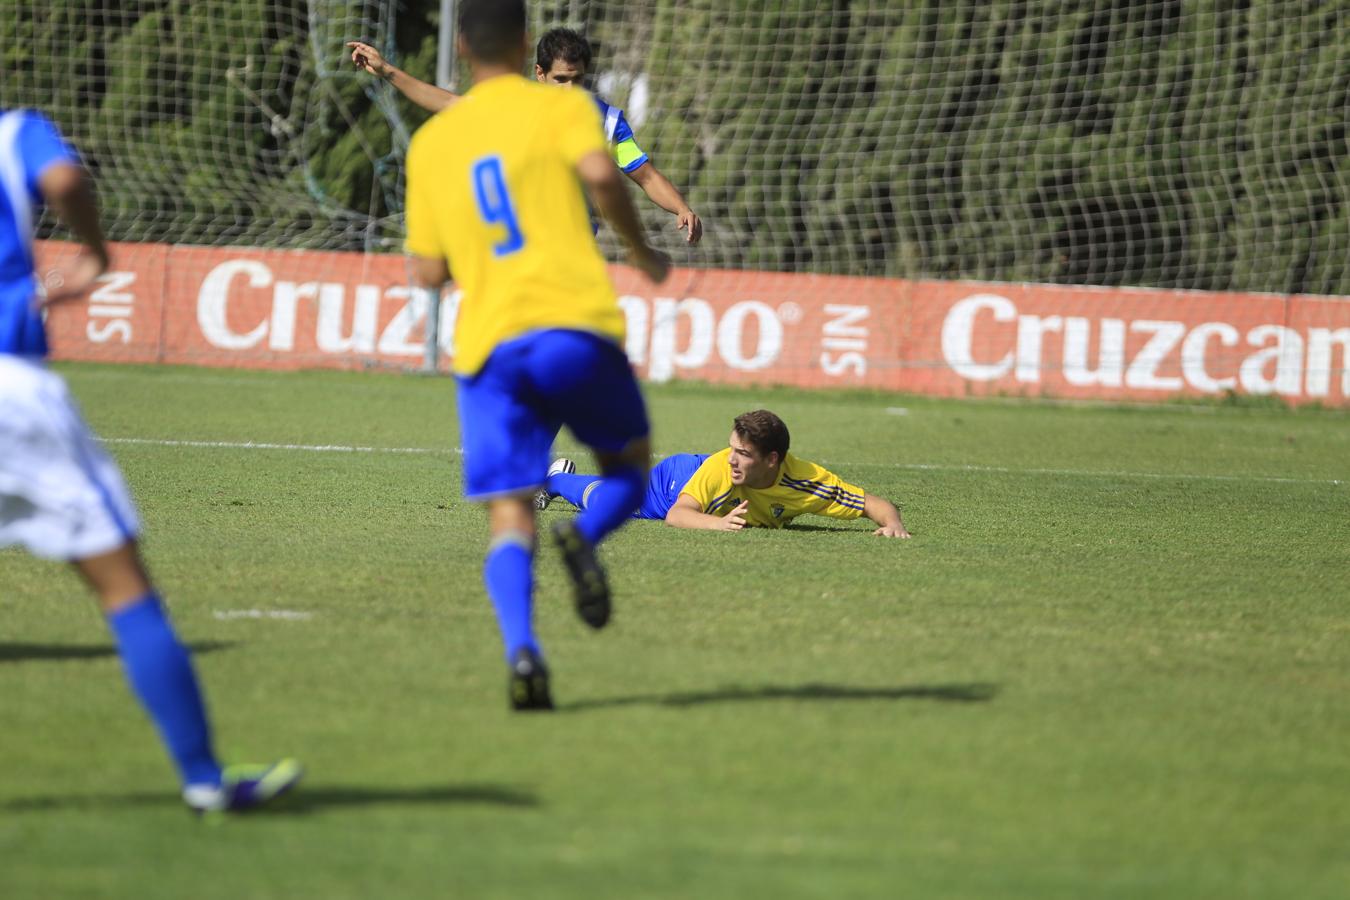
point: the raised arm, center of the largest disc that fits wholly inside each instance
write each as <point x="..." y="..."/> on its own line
<point x="884" y="513"/>
<point x="601" y="178"/>
<point x="65" y="188"/>
<point x="665" y="195"/>
<point x="428" y="96"/>
<point x="686" y="513"/>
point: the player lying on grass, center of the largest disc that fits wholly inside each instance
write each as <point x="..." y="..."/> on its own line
<point x="755" y="483"/>
<point x="62" y="497"/>
<point x="562" y="57"/>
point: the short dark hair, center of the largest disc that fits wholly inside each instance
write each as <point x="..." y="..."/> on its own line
<point x="764" y="431"/>
<point x="564" y="44"/>
<point x="492" y="28"/>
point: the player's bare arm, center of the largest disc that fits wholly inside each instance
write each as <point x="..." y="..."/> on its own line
<point x="885" y="514"/>
<point x="601" y="178"/>
<point x="687" y="513"/>
<point x="665" y="195"/>
<point x="430" y="272"/>
<point x="428" y="96"/>
<point x="65" y="187"/>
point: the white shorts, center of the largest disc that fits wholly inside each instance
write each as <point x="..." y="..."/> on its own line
<point x="61" y="495"/>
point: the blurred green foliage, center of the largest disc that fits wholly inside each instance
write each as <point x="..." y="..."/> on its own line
<point x="1132" y="142"/>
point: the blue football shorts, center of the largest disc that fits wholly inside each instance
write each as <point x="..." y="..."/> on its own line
<point x="668" y="477"/>
<point x="513" y="408"/>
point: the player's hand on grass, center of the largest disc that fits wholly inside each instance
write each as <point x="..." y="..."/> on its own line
<point x="690" y="222"/>
<point x="893" y="531"/>
<point x="652" y="263"/>
<point x="735" y="520"/>
<point x="368" y="59"/>
<point x="73" y="278"/>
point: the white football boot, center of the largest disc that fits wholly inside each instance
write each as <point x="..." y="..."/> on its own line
<point x="561" y="466"/>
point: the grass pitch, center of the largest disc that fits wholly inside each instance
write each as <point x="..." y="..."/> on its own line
<point x="1114" y="661"/>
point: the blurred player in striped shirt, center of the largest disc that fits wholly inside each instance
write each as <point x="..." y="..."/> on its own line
<point x="562" y="57"/>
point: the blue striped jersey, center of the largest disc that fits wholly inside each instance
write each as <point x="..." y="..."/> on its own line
<point x="628" y="156"/>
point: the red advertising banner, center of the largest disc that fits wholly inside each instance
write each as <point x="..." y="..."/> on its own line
<point x="291" y="309"/>
<point x="299" y="309"/>
<point x="121" y="319"/>
<point x="1056" y="341"/>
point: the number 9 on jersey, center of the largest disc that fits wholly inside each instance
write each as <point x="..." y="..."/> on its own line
<point x="494" y="204"/>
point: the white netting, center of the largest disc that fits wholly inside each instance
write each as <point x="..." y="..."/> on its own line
<point x="1155" y="142"/>
<point x="217" y="121"/>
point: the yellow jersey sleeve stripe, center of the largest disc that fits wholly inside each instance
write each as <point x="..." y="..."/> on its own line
<point x="716" y="501"/>
<point x="833" y="493"/>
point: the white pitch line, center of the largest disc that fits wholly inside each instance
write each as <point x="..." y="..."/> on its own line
<point x="919" y="467"/>
<point x="289" y="615"/>
<point x="1091" y="473"/>
<point x="261" y="379"/>
<point x="262" y="445"/>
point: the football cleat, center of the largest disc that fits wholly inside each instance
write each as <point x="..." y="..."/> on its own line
<point x="528" y="685"/>
<point x="561" y="466"/>
<point x="243" y="788"/>
<point x="591" y="587"/>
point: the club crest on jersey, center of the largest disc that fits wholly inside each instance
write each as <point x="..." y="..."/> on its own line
<point x="777" y="511"/>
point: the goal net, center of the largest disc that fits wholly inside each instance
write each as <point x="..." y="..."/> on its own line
<point x="218" y="122"/>
<point x="1196" y="145"/>
<point x="1177" y="144"/>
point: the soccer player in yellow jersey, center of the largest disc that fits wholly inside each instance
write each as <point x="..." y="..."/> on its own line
<point x="755" y="482"/>
<point x="494" y="197"/>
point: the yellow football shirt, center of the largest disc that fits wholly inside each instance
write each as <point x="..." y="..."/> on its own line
<point x="802" y="487"/>
<point x="492" y="188"/>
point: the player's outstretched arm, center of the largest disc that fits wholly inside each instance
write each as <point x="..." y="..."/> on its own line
<point x="665" y="195"/>
<point x="65" y="188"/>
<point x="686" y="513"/>
<point x="428" y="96"/>
<point x="601" y="178"/>
<point x="884" y="513"/>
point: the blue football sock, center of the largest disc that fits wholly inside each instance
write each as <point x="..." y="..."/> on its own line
<point x="572" y="488"/>
<point x="507" y="570"/>
<point x="160" y="673"/>
<point x="612" y="503"/>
